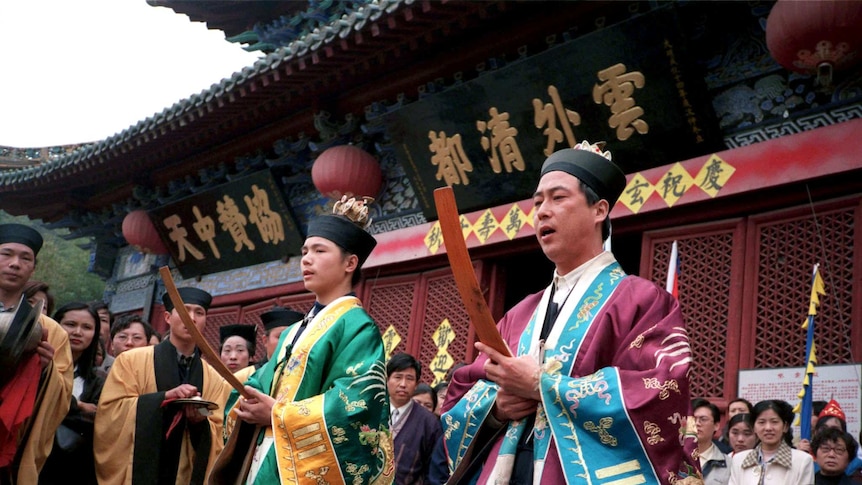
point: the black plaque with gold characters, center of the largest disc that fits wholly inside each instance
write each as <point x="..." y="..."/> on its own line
<point x="628" y="85"/>
<point x="238" y="224"/>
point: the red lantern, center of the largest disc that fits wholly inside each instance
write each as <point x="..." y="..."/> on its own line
<point x="815" y="37"/>
<point x="346" y="170"/>
<point x="139" y="231"/>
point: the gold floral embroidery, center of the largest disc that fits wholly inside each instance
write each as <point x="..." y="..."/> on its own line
<point x="639" y="340"/>
<point x="318" y="477"/>
<point x="301" y="407"/>
<point x="590" y="302"/>
<point x="664" y="388"/>
<point x="602" y="430"/>
<point x="653" y="432"/>
<point x="356" y="471"/>
<point x="353" y="370"/>
<point x="451" y="426"/>
<point x="351" y="406"/>
<point x="339" y="435"/>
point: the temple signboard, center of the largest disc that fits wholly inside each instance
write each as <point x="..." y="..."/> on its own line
<point x="235" y="225"/>
<point x="626" y="85"/>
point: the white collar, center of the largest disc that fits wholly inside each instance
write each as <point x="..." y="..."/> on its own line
<point x="565" y="283"/>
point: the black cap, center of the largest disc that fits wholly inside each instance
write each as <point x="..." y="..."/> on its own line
<point x="345" y="233"/>
<point x="189" y="295"/>
<point x="280" y="317"/>
<point x="599" y="173"/>
<point x="247" y="332"/>
<point x="19" y="233"/>
<point x="21" y="338"/>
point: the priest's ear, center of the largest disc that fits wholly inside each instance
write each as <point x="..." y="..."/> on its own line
<point x="601" y="209"/>
<point x="351" y="262"/>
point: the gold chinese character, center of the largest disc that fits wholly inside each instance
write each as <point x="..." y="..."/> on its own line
<point x="234" y="222"/>
<point x="179" y="235"/>
<point x="205" y="228"/>
<point x="548" y="115"/>
<point x="616" y="92"/>
<point x="434" y="238"/>
<point x="502" y="140"/>
<point x="267" y="221"/>
<point x="449" y="157"/>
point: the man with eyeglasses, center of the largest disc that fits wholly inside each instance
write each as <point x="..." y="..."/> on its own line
<point x="833" y="449"/>
<point x="714" y="464"/>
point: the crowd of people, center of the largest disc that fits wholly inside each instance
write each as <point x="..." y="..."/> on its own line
<point x="757" y="445"/>
<point x="594" y="388"/>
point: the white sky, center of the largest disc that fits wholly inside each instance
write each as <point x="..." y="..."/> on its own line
<point x="74" y="71"/>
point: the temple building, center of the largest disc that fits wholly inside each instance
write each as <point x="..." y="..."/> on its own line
<point x="741" y="139"/>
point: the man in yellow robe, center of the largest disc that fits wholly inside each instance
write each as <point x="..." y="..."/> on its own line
<point x="141" y="437"/>
<point x="30" y="441"/>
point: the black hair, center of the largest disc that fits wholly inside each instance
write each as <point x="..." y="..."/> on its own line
<point x="739" y="418"/>
<point x="126" y="321"/>
<point x="423" y="388"/>
<point x="86" y="362"/>
<point x="835" y="435"/>
<point x="97" y="305"/>
<point x="784" y="411"/>
<point x="744" y="401"/>
<point x="356" y="277"/>
<point x="592" y="198"/>
<point x="703" y="403"/>
<point x="33" y="286"/>
<point x="250" y="346"/>
<point x="402" y="361"/>
<point x="817" y="407"/>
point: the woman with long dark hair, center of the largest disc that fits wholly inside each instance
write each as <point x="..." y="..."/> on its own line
<point x="71" y="459"/>
<point x="740" y="433"/>
<point x="772" y="461"/>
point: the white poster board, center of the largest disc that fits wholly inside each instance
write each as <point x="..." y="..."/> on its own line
<point x="839" y="382"/>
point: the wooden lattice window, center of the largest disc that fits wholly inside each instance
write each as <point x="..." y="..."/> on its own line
<point x="442" y="302"/>
<point x="789" y="245"/>
<point x="706" y="297"/>
<point x="390" y="302"/>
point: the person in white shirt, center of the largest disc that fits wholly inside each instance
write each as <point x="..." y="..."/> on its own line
<point x="714" y="464"/>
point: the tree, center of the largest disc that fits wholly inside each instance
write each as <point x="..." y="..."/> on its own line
<point x="62" y="264"/>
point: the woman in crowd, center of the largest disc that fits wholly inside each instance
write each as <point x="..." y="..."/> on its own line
<point x="38" y="290"/>
<point x="238" y="345"/>
<point x="71" y="459"/>
<point x="741" y="435"/>
<point x="737" y="406"/>
<point x="130" y="332"/>
<point x="772" y="461"/>
<point x="425" y="396"/>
